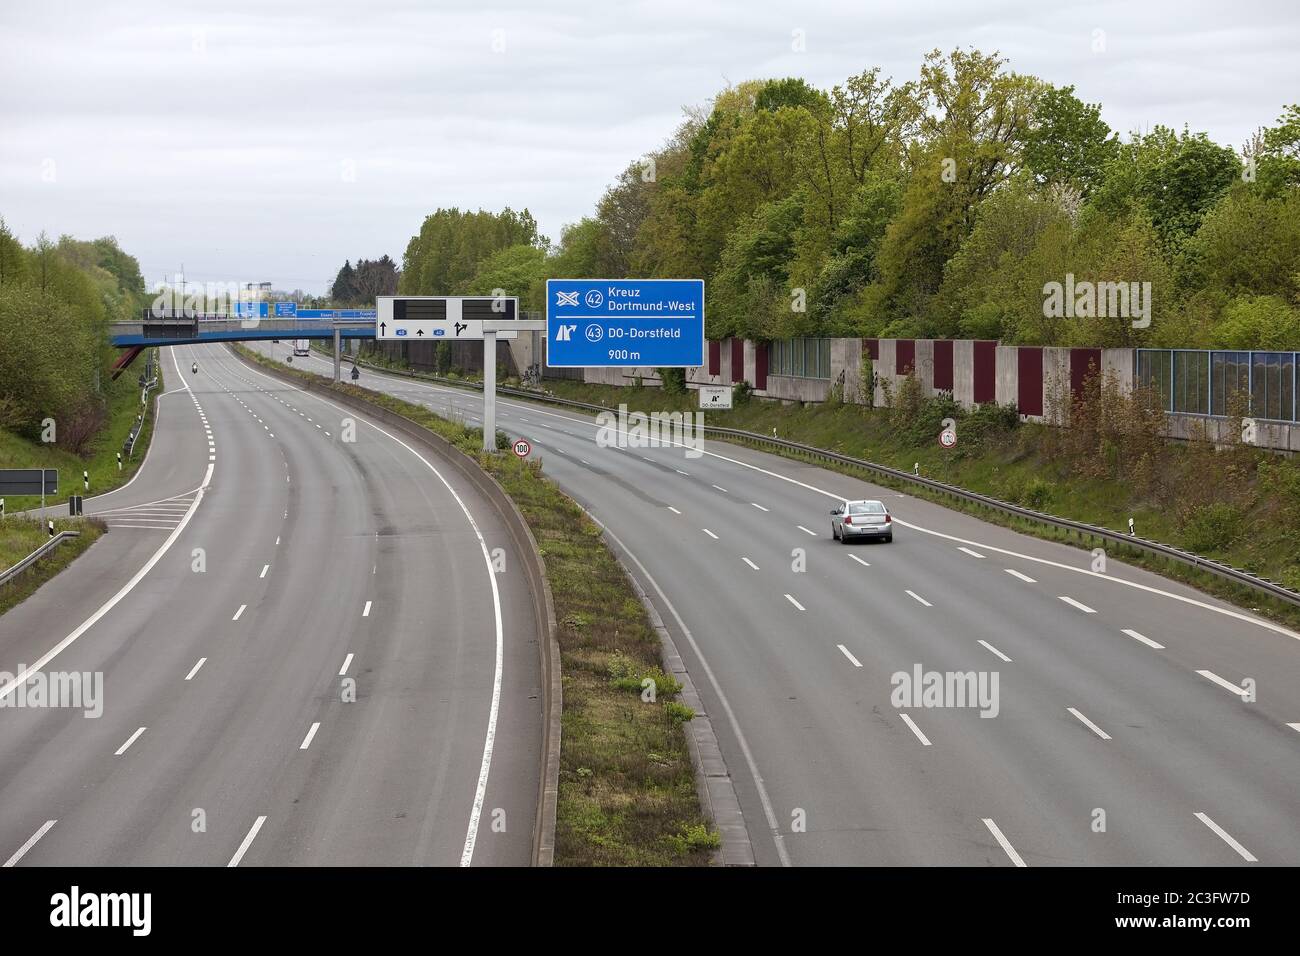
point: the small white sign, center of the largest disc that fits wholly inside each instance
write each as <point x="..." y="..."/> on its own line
<point x="715" y="396"/>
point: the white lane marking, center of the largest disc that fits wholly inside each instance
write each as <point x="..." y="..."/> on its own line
<point x="1226" y="837"/>
<point x="1004" y="842"/>
<point x="31" y="842"/>
<point x="973" y="554"/>
<point x="347" y="662"/>
<point x="852" y="660"/>
<point x="722" y="489"/>
<point x="710" y="533"/>
<point x="919" y="598"/>
<point x="265" y="568"/>
<point x="990" y="647"/>
<point x="680" y="472"/>
<point x="795" y="603"/>
<point x="248" y="841"/>
<point x="860" y="561"/>
<point x="750" y="563"/>
<point x="494" y="710"/>
<point x="365" y="611"/>
<point x="1016" y="574"/>
<point x="806" y="531"/>
<point x="673" y="510"/>
<point x="112" y="602"/>
<point x="1073" y="603"/>
<point x="758" y="506"/>
<point x="195" y="669"/>
<point x="769" y="812"/>
<point x="306" y="741"/>
<point x="1295" y="727"/>
<point x="277" y="540"/>
<point x="925" y="741"/>
<point x="239" y="612"/>
<point x="1089" y="724"/>
<point x="1225" y="684"/>
<point x="1145" y="640"/>
<point x="129" y="741"/>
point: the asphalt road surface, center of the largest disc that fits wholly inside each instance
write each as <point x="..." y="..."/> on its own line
<point x="1126" y="729"/>
<point x="306" y="655"/>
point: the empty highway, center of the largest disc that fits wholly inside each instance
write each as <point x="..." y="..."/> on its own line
<point x="307" y="655"/>
<point x="1138" y="721"/>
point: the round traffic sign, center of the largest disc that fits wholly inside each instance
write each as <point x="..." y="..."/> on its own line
<point x="522" y="448"/>
<point x="948" y="438"/>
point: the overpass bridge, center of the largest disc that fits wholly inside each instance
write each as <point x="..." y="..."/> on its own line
<point x="152" y="330"/>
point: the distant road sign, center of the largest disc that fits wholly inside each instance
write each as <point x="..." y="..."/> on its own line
<point x="715" y="396"/>
<point x="522" y="448"/>
<point x="625" y="322"/>
<point x="441" y="317"/>
<point x="286" y="309"/>
<point x="29" y="481"/>
<point x="335" y="313"/>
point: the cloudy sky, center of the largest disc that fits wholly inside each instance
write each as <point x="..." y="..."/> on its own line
<point x="271" y="140"/>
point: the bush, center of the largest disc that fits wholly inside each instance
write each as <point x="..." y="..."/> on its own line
<point x="1212" y="527"/>
<point x="674" y="380"/>
<point x="741" y="393"/>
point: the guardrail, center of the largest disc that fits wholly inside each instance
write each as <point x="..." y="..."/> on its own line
<point x="42" y="551"/>
<point x="1156" y="548"/>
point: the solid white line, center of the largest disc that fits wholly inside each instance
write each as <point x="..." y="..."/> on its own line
<point x="129" y="741"/>
<point x="1089" y="724"/>
<point x="710" y="533"/>
<point x="365" y="612"/>
<point x="1016" y="574"/>
<point x="919" y="598"/>
<point x="860" y="561"/>
<point x="1005" y="843"/>
<point x="1226" y="685"/>
<point x="31" y="842"/>
<point x="750" y="563"/>
<point x="973" y="554"/>
<point x="195" y="669"/>
<point x="990" y="647"/>
<point x="925" y="741"/>
<point x="673" y="510"/>
<point x="1145" y="640"/>
<point x="265" y="568"/>
<point x="1227" y="838"/>
<point x="306" y="741"/>
<point x="795" y="603"/>
<point x="347" y="662"/>
<point x="1073" y="603"/>
<point x="853" y="660"/>
<point x="239" y="612"/>
<point x="248" y="841"/>
<point x="806" y="531"/>
<point x="758" y="506"/>
<point x="769" y="813"/>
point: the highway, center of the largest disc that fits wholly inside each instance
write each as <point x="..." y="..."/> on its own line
<point x="1122" y="734"/>
<point x="307" y="657"/>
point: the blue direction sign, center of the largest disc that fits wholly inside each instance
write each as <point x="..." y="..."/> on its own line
<point x="624" y="322"/>
<point x="286" y="308"/>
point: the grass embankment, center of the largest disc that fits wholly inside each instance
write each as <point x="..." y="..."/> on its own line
<point x="123" y="405"/>
<point x="1239" y="506"/>
<point x="627" y="788"/>
<point x="19" y="537"/>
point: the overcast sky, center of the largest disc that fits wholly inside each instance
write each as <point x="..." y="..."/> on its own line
<point x="270" y="140"/>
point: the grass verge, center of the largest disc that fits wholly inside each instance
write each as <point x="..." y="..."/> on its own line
<point x="19" y="537"/>
<point x="627" y="786"/>
<point x="123" y="397"/>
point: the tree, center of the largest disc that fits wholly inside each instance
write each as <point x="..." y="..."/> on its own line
<point x="1068" y="142"/>
<point x="343" y="289"/>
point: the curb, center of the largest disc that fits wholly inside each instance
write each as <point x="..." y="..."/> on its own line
<point x="535" y="568"/>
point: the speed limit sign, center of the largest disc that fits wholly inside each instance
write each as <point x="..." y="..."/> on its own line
<point x="522" y="448"/>
<point x="948" y="437"/>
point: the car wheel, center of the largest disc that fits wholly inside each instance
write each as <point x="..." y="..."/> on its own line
<point x="835" y="535"/>
<point x="889" y="538"/>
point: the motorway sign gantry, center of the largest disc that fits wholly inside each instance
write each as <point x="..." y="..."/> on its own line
<point x="625" y="322"/>
<point x="435" y="318"/>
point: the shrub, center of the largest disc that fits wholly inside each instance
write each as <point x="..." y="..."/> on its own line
<point x="741" y="393"/>
<point x="1212" y="527"/>
<point x="673" y="379"/>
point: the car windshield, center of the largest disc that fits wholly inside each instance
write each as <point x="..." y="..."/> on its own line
<point x="866" y="508"/>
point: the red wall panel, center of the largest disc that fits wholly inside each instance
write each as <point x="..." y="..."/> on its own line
<point x="715" y="358"/>
<point x="904" y="356"/>
<point x="760" y="365"/>
<point x="1083" y="362"/>
<point x="986" y="372"/>
<point x="873" y="349"/>
<point x="737" y="360"/>
<point x="1029" y="372"/>
<point x="943" y="364"/>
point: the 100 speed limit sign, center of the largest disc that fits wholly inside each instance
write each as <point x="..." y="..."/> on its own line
<point x="522" y="448"/>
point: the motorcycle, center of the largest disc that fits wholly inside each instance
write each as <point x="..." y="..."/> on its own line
<point x="194" y="369"/>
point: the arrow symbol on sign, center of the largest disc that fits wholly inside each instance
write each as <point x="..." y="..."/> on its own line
<point x="419" y="332"/>
<point x="460" y="327"/>
<point x="383" y="327"/>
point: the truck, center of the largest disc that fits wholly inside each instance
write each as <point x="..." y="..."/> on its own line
<point x="301" y="347"/>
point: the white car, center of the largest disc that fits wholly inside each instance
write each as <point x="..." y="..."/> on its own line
<point x="862" y="519"/>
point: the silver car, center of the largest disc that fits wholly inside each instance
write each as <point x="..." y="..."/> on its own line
<point x="862" y="519"/>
